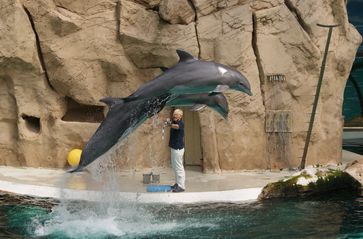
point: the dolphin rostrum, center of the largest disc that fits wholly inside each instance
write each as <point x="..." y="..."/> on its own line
<point x="122" y="118"/>
<point x="192" y="76"/>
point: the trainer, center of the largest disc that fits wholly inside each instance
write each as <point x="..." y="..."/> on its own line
<point x="176" y="144"/>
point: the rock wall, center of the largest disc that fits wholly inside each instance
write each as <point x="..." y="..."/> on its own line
<point x="59" y="57"/>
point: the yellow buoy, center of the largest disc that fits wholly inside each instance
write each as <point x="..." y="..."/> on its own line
<point x="74" y="156"/>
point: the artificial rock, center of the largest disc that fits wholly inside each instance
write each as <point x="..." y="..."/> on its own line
<point x="59" y="57"/>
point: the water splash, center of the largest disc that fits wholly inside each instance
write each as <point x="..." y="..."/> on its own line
<point x="163" y="133"/>
<point x="81" y="224"/>
<point x="86" y="220"/>
<point x="82" y="220"/>
<point x="109" y="216"/>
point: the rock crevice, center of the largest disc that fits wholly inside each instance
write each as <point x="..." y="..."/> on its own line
<point x="195" y="26"/>
<point x="258" y="58"/>
<point x="304" y="26"/>
<point x="39" y="49"/>
<point x="118" y="19"/>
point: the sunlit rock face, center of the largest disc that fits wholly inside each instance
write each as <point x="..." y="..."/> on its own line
<point x="59" y="57"/>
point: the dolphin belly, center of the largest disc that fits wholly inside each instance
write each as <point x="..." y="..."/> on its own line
<point x="217" y="102"/>
<point x="104" y="138"/>
<point x="180" y="102"/>
<point x="133" y="127"/>
<point x="179" y="90"/>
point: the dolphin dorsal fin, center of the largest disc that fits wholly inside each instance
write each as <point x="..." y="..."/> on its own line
<point x="109" y="101"/>
<point x="184" y="56"/>
<point x="163" y="68"/>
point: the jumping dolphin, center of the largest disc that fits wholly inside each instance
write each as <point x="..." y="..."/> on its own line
<point x="122" y="118"/>
<point x="191" y="76"/>
<point x="217" y="102"/>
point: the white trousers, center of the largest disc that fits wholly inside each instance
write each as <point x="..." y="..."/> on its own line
<point x="177" y="166"/>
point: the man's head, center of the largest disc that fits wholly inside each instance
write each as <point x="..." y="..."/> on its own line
<point x="177" y="114"/>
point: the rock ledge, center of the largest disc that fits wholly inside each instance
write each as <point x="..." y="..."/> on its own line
<point x="312" y="181"/>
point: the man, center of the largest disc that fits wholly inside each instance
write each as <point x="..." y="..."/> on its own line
<point x="176" y="144"/>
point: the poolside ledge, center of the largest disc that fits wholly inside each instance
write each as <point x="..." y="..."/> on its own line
<point x="229" y="196"/>
<point x="228" y="187"/>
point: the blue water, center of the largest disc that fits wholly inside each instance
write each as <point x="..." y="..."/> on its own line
<point x="338" y="217"/>
<point x="351" y="105"/>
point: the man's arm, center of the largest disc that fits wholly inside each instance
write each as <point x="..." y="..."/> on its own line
<point x="169" y="123"/>
<point x="178" y="125"/>
<point x="175" y="126"/>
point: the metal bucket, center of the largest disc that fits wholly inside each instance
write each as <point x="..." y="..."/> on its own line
<point x="146" y="178"/>
<point x="155" y="178"/>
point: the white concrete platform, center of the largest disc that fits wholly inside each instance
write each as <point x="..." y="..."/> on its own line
<point x="127" y="185"/>
<point x="229" y="196"/>
<point x="229" y="187"/>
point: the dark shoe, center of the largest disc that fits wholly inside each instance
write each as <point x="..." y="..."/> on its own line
<point x="174" y="186"/>
<point x="178" y="189"/>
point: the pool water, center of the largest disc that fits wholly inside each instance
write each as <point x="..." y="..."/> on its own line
<point x="338" y="217"/>
<point x="354" y="149"/>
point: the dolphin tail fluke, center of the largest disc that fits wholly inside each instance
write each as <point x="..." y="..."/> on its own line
<point x="78" y="170"/>
<point x="163" y="68"/>
<point x="74" y="170"/>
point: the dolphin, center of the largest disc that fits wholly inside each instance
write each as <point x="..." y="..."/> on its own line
<point x="217" y="102"/>
<point x="192" y="76"/>
<point x="122" y="118"/>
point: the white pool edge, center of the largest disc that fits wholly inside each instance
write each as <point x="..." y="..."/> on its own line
<point x="228" y="196"/>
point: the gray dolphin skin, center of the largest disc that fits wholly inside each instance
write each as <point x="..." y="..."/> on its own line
<point x="123" y="118"/>
<point x="191" y="76"/>
<point x="217" y="102"/>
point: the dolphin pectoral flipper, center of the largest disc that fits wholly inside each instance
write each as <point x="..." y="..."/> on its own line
<point x="220" y="88"/>
<point x="197" y="107"/>
<point x="214" y="93"/>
